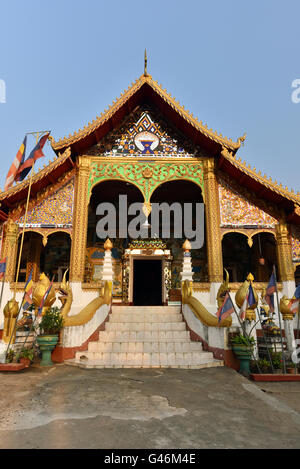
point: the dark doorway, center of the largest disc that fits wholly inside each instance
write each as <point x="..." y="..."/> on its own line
<point x="147" y="282"/>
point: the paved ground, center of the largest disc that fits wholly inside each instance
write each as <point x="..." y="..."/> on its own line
<point x="66" y="407"/>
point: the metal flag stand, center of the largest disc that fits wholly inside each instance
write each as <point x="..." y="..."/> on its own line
<point x="265" y="340"/>
<point x="278" y="309"/>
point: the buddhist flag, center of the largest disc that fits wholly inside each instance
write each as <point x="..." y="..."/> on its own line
<point x="226" y="309"/>
<point x="12" y="173"/>
<point x="2" y="268"/>
<point x="36" y="153"/>
<point x="271" y="289"/>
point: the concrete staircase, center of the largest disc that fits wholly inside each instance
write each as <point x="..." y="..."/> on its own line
<point x="144" y="337"/>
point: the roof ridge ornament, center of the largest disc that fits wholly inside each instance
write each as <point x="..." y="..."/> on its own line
<point x="145" y="64"/>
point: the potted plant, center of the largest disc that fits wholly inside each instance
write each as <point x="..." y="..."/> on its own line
<point x="277" y="362"/>
<point x="243" y="349"/>
<point x="26" y="356"/>
<point x="50" y="326"/>
<point x="291" y="368"/>
<point x="10" y="356"/>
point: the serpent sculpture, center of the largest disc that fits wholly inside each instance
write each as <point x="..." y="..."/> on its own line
<point x="199" y="310"/>
<point x="86" y="314"/>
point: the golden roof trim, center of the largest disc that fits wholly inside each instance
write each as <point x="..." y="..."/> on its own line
<point x="134" y="87"/>
<point x="53" y="164"/>
<point x="262" y="179"/>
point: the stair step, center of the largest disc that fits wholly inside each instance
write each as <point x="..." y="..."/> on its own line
<point x="139" y="359"/>
<point x="144" y="347"/>
<point x="91" y="364"/>
<point x="145" y="318"/>
<point x="143" y="336"/>
<point x="145" y="326"/>
<point x="146" y="309"/>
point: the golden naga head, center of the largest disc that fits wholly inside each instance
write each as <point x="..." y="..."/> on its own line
<point x="64" y="289"/>
<point x="285" y="308"/>
<point x="186" y="290"/>
<point x="11" y="309"/>
<point x="40" y="290"/>
<point x="224" y="288"/>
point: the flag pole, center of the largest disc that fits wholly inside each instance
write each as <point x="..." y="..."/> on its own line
<point x="278" y="309"/>
<point x="2" y="287"/>
<point x="24" y="224"/>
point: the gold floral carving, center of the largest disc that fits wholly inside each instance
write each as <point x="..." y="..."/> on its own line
<point x="146" y="176"/>
<point x="48" y="191"/>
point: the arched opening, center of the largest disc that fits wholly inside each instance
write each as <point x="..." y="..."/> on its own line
<point x="239" y="259"/>
<point x="236" y="256"/>
<point x="30" y="258"/>
<point x="109" y="192"/>
<point x="55" y="257"/>
<point x="263" y="256"/>
<point x="182" y="192"/>
<point x="297" y="275"/>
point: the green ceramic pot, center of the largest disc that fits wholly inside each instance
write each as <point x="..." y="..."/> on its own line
<point x="244" y="354"/>
<point x="47" y="343"/>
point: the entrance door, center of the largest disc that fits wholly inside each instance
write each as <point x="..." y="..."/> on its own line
<point x="147" y="282"/>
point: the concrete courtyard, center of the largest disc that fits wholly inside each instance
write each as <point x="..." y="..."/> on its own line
<point x="66" y="407"/>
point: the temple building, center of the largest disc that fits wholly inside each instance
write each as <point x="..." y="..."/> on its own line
<point x="148" y="147"/>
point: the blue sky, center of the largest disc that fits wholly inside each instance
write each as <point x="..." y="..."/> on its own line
<point x="229" y="62"/>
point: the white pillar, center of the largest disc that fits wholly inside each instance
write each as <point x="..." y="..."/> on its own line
<point x="108" y="273"/>
<point x="187" y="271"/>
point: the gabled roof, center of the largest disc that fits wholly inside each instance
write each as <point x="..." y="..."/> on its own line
<point x="48" y="175"/>
<point x="142" y="89"/>
<point x="145" y="89"/>
<point x="260" y="185"/>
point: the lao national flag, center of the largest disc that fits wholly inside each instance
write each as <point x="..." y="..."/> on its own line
<point x="13" y="170"/>
<point x="44" y="299"/>
<point x="271" y="289"/>
<point x="2" y="268"/>
<point x="36" y="153"/>
<point x="226" y="309"/>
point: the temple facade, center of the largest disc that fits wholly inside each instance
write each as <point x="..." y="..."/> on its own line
<point x="149" y="148"/>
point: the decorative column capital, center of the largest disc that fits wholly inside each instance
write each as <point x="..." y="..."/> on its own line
<point x="11" y="229"/>
<point x="83" y="165"/>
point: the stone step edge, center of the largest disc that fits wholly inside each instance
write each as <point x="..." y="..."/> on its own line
<point x="212" y="364"/>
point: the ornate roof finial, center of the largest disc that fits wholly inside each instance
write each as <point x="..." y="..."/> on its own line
<point x="145" y="64"/>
